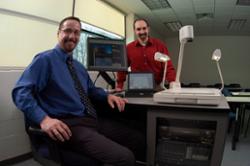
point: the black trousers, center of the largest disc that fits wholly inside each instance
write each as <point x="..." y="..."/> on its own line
<point x="109" y="141"/>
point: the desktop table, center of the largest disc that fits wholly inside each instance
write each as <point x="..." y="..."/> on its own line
<point x="217" y="114"/>
<point x="240" y="101"/>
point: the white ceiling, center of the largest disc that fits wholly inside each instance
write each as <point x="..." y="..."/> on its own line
<point x="185" y="11"/>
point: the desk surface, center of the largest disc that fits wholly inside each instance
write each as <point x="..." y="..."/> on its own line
<point x="236" y="99"/>
<point x="148" y="101"/>
<point x="241" y="94"/>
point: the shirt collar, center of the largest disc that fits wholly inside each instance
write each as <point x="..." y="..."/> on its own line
<point x="62" y="54"/>
<point x="149" y="43"/>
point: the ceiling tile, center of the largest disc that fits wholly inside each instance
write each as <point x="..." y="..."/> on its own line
<point x="203" y="3"/>
<point x="180" y="3"/>
<point x="185" y="11"/>
<point x="165" y="15"/>
<point x="242" y="9"/>
<point x="204" y="9"/>
<point x="225" y="2"/>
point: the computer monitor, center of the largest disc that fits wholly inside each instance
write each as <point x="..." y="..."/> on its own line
<point x="106" y="55"/>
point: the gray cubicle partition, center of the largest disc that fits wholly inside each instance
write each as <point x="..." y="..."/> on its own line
<point x="13" y="139"/>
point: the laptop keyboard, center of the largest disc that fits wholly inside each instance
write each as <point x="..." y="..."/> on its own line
<point x="138" y="94"/>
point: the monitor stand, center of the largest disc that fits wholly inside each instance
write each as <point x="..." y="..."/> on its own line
<point x="107" y="78"/>
<point x="197" y="96"/>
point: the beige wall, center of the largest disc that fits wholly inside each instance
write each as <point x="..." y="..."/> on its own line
<point x="197" y="63"/>
<point x="101" y="15"/>
<point x="29" y="27"/>
<point x="129" y="28"/>
<point x="23" y="38"/>
<point x="50" y="9"/>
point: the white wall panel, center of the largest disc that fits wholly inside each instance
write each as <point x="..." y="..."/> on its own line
<point x="101" y="15"/>
<point x="50" y="9"/>
<point x="23" y="38"/>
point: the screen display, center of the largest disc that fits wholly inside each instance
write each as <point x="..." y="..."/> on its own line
<point x="106" y="55"/>
<point x="138" y="81"/>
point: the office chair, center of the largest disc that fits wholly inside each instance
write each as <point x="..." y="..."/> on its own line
<point x="232" y="114"/>
<point x="210" y="86"/>
<point x="219" y="85"/>
<point x="194" y="85"/>
<point x="248" y="119"/>
<point x="183" y="84"/>
<point x="248" y="123"/>
<point x="48" y="153"/>
<point x="234" y="87"/>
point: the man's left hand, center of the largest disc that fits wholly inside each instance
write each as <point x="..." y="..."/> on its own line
<point x="120" y="102"/>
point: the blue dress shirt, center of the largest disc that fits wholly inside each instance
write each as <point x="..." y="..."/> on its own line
<point x="46" y="87"/>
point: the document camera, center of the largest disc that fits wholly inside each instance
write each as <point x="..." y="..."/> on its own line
<point x="178" y="95"/>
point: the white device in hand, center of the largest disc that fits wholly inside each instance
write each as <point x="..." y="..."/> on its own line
<point x="160" y="57"/>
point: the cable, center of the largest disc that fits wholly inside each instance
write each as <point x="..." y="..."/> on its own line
<point x="98" y="75"/>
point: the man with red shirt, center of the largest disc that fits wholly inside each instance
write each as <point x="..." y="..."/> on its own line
<point x="141" y="53"/>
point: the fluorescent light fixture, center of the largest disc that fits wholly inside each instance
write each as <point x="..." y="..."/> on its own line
<point x="156" y="4"/>
<point x="236" y="24"/>
<point x="173" y="26"/>
<point x="201" y="16"/>
<point x="243" y="2"/>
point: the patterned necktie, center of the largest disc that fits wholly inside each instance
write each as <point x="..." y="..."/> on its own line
<point x="83" y="96"/>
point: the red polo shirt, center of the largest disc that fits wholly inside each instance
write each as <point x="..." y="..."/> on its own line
<point x="141" y="59"/>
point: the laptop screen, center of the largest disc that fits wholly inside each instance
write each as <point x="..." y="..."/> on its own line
<point x="140" y="81"/>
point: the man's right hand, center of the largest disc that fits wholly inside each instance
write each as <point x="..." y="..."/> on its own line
<point x="56" y="129"/>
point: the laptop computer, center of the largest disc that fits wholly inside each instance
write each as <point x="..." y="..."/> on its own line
<point x="140" y="84"/>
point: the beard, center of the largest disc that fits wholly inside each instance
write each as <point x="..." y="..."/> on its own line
<point x="143" y="36"/>
<point x="69" y="45"/>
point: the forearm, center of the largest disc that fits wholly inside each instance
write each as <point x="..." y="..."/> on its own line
<point x="25" y="101"/>
<point x="121" y="78"/>
<point x="98" y="94"/>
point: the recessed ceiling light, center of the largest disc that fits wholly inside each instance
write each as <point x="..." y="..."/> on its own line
<point x="243" y="2"/>
<point x="156" y="4"/>
<point x="201" y="16"/>
<point x="236" y="24"/>
<point x="173" y="26"/>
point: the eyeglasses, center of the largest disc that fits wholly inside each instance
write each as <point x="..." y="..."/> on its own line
<point x="68" y="31"/>
<point x="143" y="28"/>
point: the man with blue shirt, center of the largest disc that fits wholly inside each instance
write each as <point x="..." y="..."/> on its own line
<point x="54" y="92"/>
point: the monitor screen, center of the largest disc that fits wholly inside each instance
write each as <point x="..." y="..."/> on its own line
<point x="140" y="81"/>
<point x="106" y="55"/>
